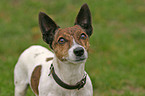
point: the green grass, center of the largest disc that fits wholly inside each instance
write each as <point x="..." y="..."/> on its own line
<point x="116" y="62"/>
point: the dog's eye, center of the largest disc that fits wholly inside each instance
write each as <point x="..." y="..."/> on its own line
<point x="83" y="36"/>
<point x="61" y="40"/>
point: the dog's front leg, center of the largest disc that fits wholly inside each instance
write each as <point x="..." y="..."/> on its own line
<point x="49" y="94"/>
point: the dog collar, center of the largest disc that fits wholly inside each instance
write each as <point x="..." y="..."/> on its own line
<point x="78" y="85"/>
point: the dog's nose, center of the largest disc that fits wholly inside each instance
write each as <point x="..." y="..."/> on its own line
<point x="79" y="51"/>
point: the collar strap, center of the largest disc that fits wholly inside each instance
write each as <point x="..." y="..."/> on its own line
<point x="78" y="85"/>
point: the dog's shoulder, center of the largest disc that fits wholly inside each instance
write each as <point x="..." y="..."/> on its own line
<point x="36" y="74"/>
<point x="35" y="77"/>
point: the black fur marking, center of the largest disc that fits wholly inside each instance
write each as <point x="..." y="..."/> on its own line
<point x="84" y="19"/>
<point x="48" y="28"/>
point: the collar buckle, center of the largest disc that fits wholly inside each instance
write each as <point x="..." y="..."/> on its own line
<point x="82" y="82"/>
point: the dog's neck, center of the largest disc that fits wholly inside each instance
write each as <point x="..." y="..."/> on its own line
<point x="67" y="72"/>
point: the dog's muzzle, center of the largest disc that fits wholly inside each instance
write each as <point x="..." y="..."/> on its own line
<point x="79" y="54"/>
<point x="79" y="51"/>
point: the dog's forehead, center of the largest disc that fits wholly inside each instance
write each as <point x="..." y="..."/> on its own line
<point x="69" y="31"/>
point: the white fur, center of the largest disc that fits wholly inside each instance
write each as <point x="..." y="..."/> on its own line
<point x="68" y="72"/>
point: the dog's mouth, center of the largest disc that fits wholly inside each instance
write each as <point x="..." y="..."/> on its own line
<point x="78" y="59"/>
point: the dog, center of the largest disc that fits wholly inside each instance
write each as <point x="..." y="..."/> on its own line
<point x="61" y="73"/>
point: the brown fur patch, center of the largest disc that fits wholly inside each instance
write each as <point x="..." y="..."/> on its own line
<point x="35" y="79"/>
<point x="48" y="59"/>
<point x="70" y="33"/>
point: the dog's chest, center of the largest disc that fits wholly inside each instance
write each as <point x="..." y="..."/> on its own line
<point x="57" y="91"/>
<point x="48" y="87"/>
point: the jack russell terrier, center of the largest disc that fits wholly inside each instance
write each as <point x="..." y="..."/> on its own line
<point x="61" y="73"/>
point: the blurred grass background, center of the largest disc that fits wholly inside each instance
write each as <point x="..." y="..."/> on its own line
<point x="116" y="62"/>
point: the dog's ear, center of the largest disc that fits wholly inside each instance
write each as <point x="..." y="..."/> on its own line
<point x="48" y="27"/>
<point x="84" y="19"/>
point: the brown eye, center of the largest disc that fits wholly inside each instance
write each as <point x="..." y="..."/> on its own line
<point x="61" y="40"/>
<point x="83" y="36"/>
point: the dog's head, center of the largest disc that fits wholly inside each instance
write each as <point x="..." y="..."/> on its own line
<point x="69" y="44"/>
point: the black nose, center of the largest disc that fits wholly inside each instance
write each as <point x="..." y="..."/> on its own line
<point x="79" y="51"/>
